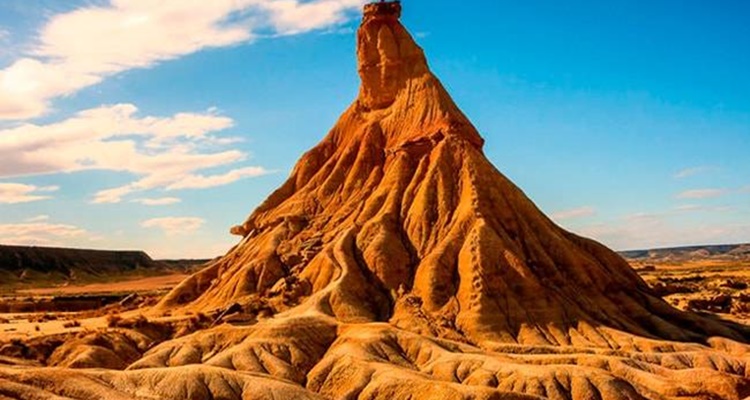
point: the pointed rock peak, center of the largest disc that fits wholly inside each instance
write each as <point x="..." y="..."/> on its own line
<point x="383" y="10"/>
<point x="387" y="55"/>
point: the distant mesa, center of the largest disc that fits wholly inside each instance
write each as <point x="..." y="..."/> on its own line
<point x="37" y="265"/>
<point x="723" y="251"/>
<point x="63" y="263"/>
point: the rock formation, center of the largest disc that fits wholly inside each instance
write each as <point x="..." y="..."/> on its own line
<point x="58" y="264"/>
<point x="398" y="262"/>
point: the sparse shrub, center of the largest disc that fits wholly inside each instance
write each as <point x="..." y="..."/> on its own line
<point x="17" y="348"/>
<point x="734" y="284"/>
<point x="194" y="323"/>
<point x="72" y="324"/>
<point x="113" y="320"/>
<point x="43" y="318"/>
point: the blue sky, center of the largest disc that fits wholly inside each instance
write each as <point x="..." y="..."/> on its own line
<point x="134" y="124"/>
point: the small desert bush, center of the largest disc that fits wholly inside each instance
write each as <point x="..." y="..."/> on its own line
<point x="43" y="318"/>
<point x="72" y="324"/>
<point x="113" y="320"/>
<point x="194" y="323"/>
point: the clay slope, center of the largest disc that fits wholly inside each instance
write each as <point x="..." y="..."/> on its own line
<point x="399" y="263"/>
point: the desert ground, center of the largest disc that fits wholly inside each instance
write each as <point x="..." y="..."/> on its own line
<point x="702" y="284"/>
<point x="712" y="285"/>
<point x="133" y="285"/>
<point x="75" y="308"/>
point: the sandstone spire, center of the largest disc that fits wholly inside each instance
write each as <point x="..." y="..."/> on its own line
<point x="400" y="198"/>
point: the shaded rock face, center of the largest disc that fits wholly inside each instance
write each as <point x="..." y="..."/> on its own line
<point x="399" y="263"/>
<point x="69" y="262"/>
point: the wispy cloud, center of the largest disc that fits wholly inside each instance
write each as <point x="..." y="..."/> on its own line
<point x="696" y="207"/>
<point x="38" y="218"/>
<point x="81" y="48"/>
<point x="688" y="172"/>
<point x="162" y="201"/>
<point x="38" y="234"/>
<point x="702" y="193"/>
<point x="162" y="151"/>
<point x="209" y="181"/>
<point x="175" y="225"/>
<point x="579" y="212"/>
<point x="14" y="193"/>
<point x="645" y="230"/>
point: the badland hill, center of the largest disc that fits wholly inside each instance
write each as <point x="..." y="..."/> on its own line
<point x="397" y="262"/>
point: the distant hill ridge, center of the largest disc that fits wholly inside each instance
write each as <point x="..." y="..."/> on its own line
<point x="24" y="262"/>
<point x="710" y="251"/>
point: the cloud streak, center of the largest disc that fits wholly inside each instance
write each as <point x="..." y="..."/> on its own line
<point x="15" y="193"/>
<point x="580" y="212"/>
<point x="175" y="225"/>
<point x="662" y="230"/>
<point x="38" y="218"/>
<point x="688" y="172"/>
<point x="701" y="194"/>
<point x="163" y="152"/>
<point x="162" y="201"/>
<point x="38" y="234"/>
<point x="81" y="48"/>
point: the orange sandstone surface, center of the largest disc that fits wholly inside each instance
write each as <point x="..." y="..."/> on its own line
<point x="397" y="262"/>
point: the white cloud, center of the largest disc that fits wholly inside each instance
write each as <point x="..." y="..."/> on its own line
<point x="701" y="194"/>
<point x="175" y="225"/>
<point x="579" y="212"/>
<point x="80" y="48"/>
<point x="666" y="229"/>
<point x="203" y="182"/>
<point x="696" y="208"/>
<point x="161" y="151"/>
<point x="292" y="16"/>
<point x="689" y="207"/>
<point x="38" y="218"/>
<point x="14" y="193"/>
<point x="688" y="172"/>
<point x="38" y="234"/>
<point x="162" y="201"/>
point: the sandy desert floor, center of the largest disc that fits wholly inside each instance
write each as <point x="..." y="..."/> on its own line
<point x="135" y="285"/>
<point x="51" y="322"/>
<point x="718" y="287"/>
